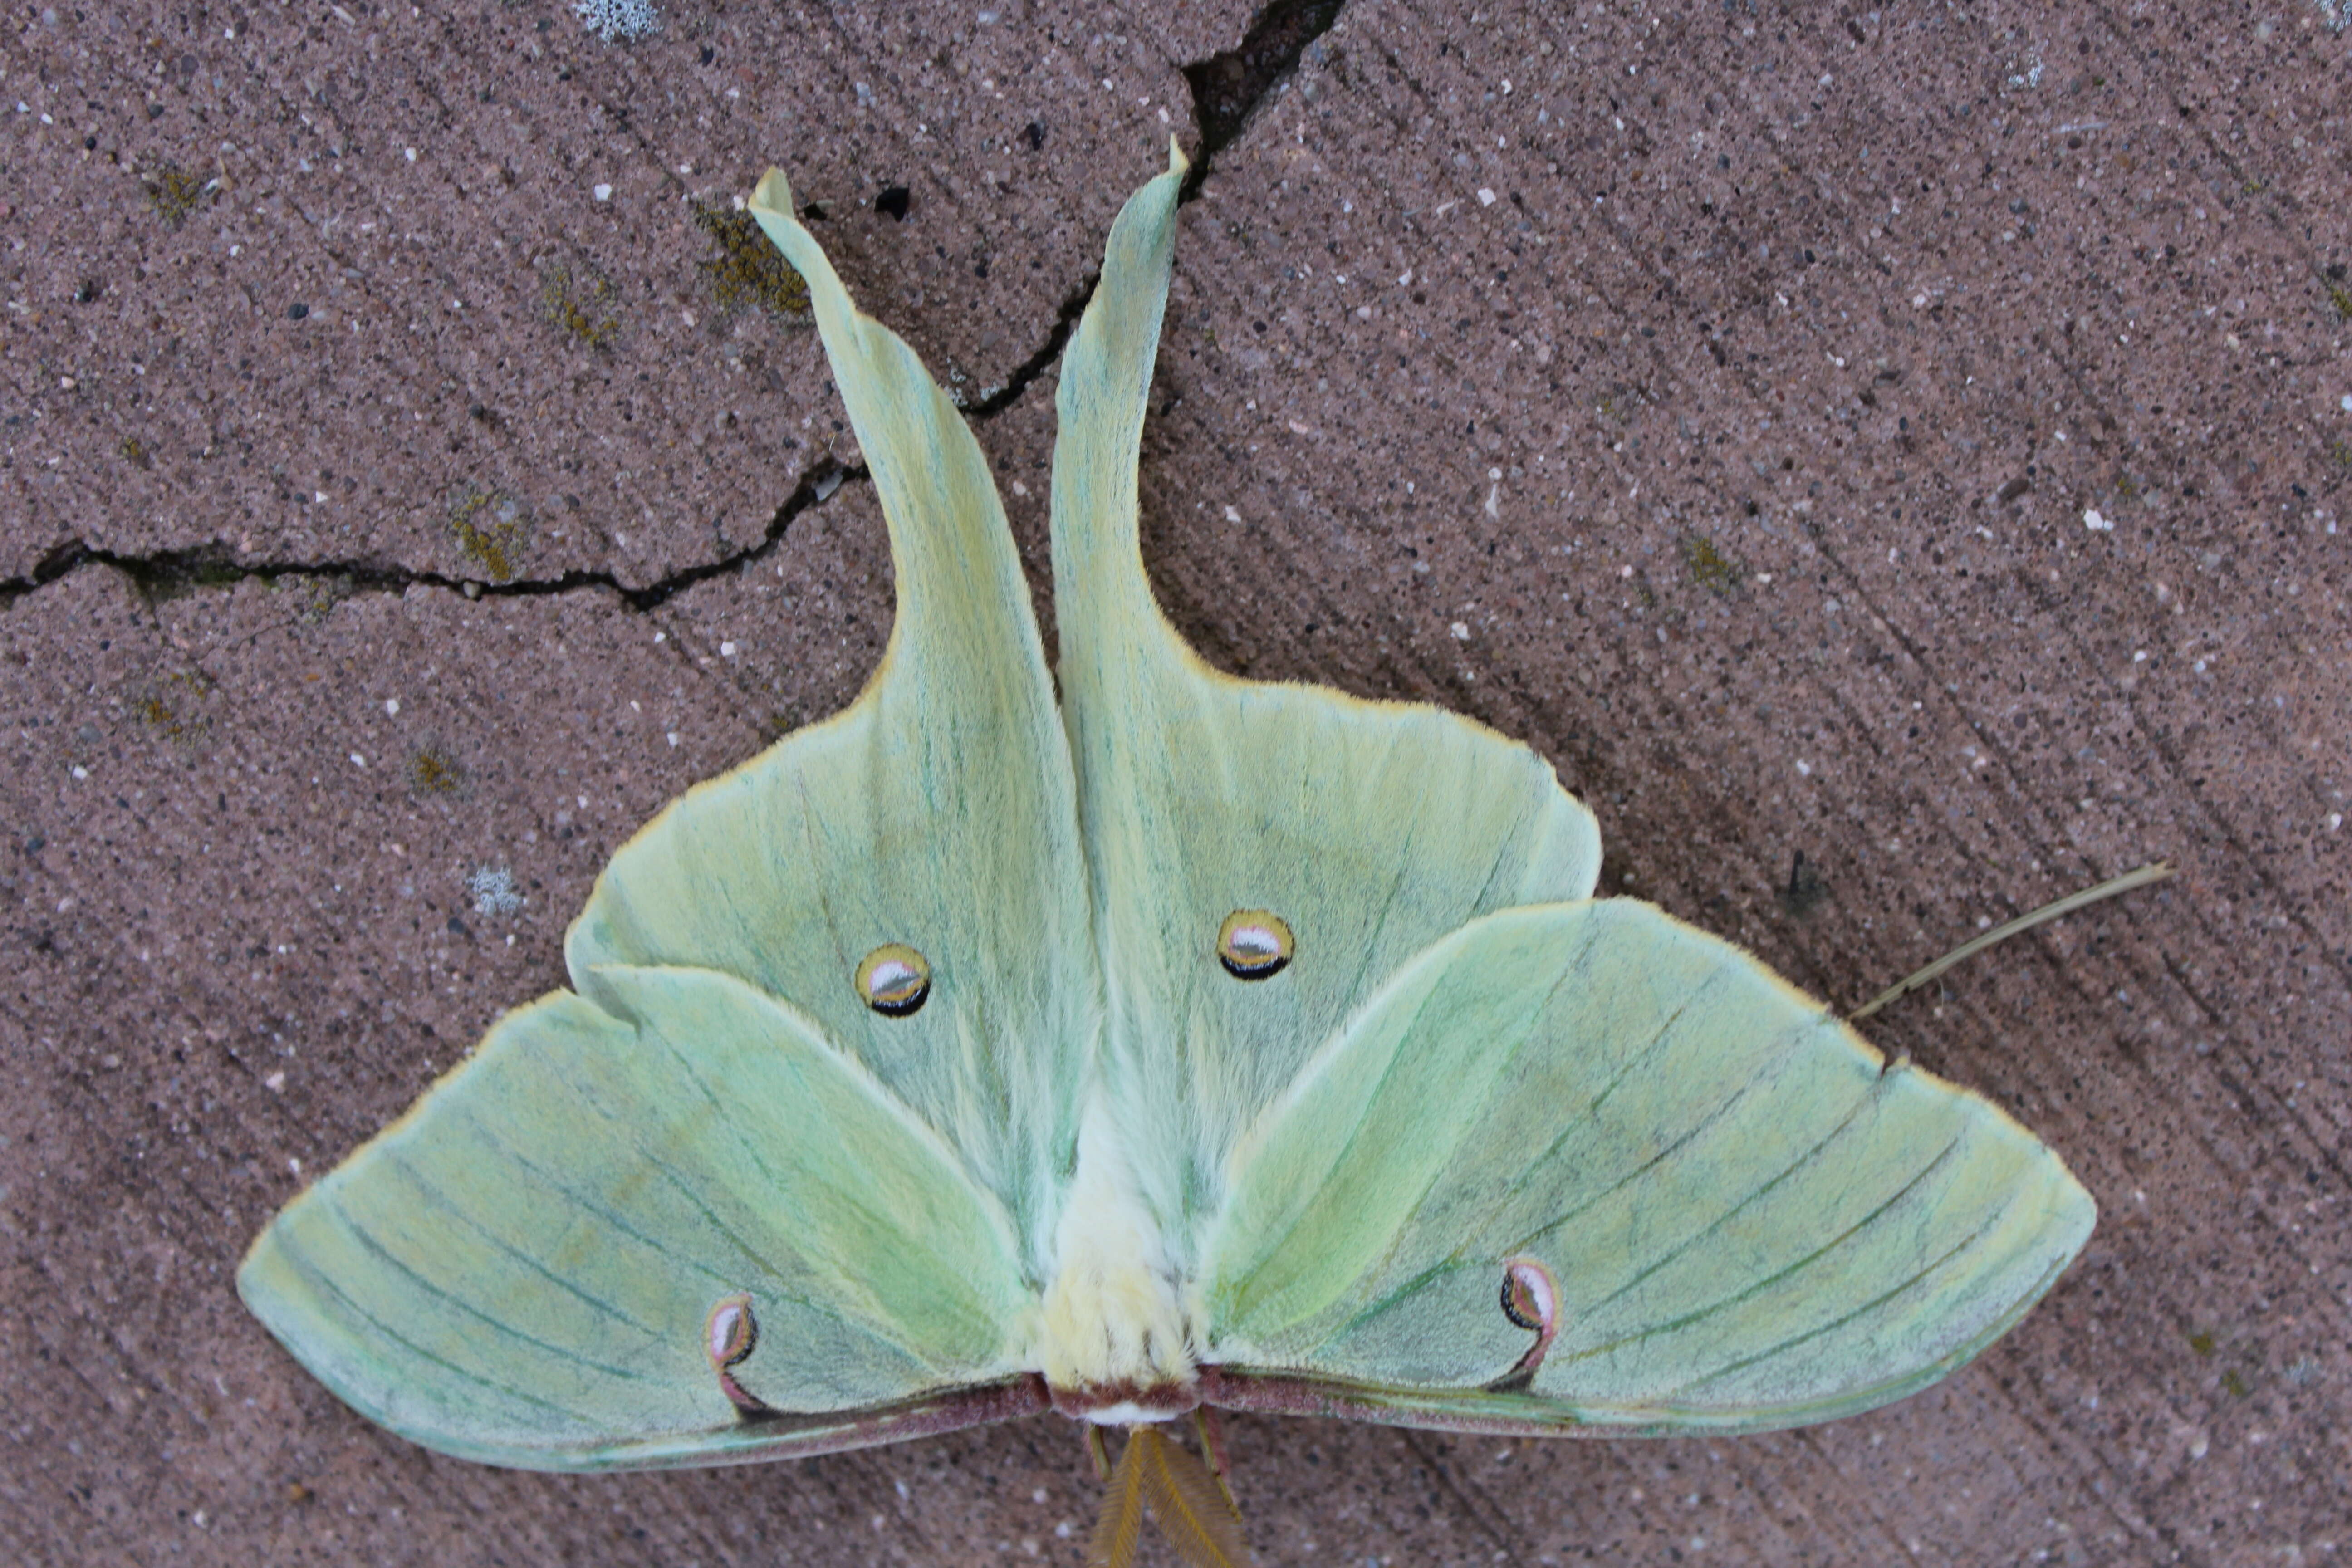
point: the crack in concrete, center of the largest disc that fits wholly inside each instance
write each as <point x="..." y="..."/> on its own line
<point x="1229" y="90"/>
<point x="174" y="573"/>
<point x="1025" y="375"/>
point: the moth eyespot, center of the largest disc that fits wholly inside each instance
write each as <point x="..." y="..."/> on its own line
<point x="728" y="1338"/>
<point x="731" y="1332"/>
<point x="1529" y="1300"/>
<point x="1253" y="944"/>
<point x="893" y="980"/>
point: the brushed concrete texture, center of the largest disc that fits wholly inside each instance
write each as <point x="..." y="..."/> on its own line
<point x="429" y="292"/>
<point x="1913" y="443"/>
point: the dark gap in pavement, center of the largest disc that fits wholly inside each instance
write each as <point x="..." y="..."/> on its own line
<point x="174" y="573"/>
<point x="1229" y="89"/>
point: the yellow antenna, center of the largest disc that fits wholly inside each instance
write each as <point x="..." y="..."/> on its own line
<point x="2156" y="871"/>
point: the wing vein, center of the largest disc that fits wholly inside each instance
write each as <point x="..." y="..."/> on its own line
<point x="1841" y="1320"/>
<point x="1734" y="1210"/>
<point x="1883" y="1207"/>
<point x="1575" y="1124"/>
<point x="555" y="1183"/>
<point x="320" y="1276"/>
<point x="1370" y="1099"/>
<point x="444" y="1201"/>
<point x="1722" y="1110"/>
<point x="370" y="1242"/>
<point x="1405" y="1224"/>
<point x="1388" y="905"/>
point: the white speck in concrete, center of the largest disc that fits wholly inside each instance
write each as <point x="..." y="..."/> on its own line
<point x="493" y="890"/>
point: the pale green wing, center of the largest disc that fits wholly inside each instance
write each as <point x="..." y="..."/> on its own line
<point x="938" y="812"/>
<point x="1750" y="1219"/>
<point x="1370" y="828"/>
<point x="523" y="1269"/>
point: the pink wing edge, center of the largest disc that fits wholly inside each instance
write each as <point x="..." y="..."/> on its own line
<point x="756" y="1439"/>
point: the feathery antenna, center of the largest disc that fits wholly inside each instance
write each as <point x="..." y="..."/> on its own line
<point x="1194" y="1509"/>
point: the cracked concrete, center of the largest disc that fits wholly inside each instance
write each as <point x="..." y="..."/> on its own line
<point x="308" y="289"/>
<point x="168" y="573"/>
<point x="578" y="301"/>
<point x="1910" y="450"/>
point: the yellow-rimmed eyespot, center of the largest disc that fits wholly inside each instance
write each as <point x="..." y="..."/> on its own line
<point x="1255" y="944"/>
<point x="893" y="980"/>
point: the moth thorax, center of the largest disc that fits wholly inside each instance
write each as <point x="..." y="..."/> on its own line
<point x="1116" y="1343"/>
<point x="1114" y="1333"/>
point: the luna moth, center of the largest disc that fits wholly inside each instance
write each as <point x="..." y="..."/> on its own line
<point x="1181" y="1042"/>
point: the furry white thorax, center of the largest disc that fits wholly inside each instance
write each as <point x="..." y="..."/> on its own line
<point x="1115" y="1316"/>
